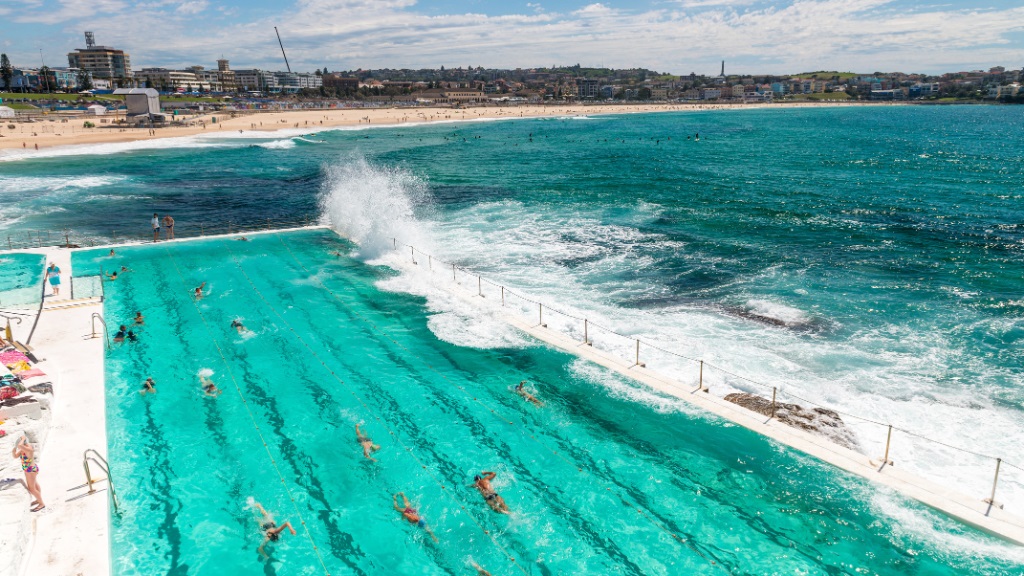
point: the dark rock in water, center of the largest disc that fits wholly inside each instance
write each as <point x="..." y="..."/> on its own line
<point x="821" y="421"/>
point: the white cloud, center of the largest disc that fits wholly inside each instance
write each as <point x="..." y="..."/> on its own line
<point x="785" y="37"/>
<point x="193" y="7"/>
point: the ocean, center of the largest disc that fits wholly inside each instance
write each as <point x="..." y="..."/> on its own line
<point x="867" y="259"/>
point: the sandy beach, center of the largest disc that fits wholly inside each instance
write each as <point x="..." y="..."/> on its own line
<point x="53" y="130"/>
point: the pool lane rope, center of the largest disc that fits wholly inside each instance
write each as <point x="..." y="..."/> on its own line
<point x="252" y="417"/>
<point x="383" y="422"/>
<point x="639" y="510"/>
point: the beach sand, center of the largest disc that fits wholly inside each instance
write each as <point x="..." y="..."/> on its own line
<point x="52" y="131"/>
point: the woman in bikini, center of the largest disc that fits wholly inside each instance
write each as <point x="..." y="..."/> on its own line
<point x="483" y="484"/>
<point x="366" y="443"/>
<point x="27" y="454"/>
<point x="411" y="514"/>
<point x="271" y="531"/>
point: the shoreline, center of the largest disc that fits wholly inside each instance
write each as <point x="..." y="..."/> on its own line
<point x="45" y="135"/>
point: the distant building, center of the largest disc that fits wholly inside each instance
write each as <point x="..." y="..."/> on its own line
<point x="295" y="81"/>
<point x="586" y="88"/>
<point x="226" y="76"/>
<point x="167" y="80"/>
<point x="102" y="61"/>
<point x="256" y="80"/>
<point x="339" y="82"/>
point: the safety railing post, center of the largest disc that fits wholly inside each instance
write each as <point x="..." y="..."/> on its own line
<point x="430" y="262"/>
<point x="502" y="295"/>
<point x="540" y="312"/>
<point x="700" y="377"/>
<point x="395" y="241"/>
<point x="479" y="287"/>
<point x="995" y="481"/>
<point x="586" y="338"/>
<point x="774" y="390"/>
<point x="412" y="253"/>
<point x="638" y="362"/>
<point x="268" y="223"/>
<point x="888" y="442"/>
<point x="453" y="272"/>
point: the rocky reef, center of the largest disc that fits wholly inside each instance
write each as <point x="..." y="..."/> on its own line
<point x="821" y="421"/>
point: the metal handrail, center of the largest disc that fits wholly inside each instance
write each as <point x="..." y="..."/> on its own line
<point x="105" y="466"/>
<point x="38" y="239"/>
<point x="106" y="332"/>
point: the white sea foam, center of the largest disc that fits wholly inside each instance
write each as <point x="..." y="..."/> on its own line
<point x="278" y="144"/>
<point x="576" y="263"/>
<point x="21" y="185"/>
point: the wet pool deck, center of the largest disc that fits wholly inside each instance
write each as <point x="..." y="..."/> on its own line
<point x="72" y="536"/>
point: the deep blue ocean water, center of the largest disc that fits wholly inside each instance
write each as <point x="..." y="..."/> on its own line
<point x="868" y="259"/>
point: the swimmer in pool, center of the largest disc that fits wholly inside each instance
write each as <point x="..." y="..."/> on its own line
<point x="271" y="531"/>
<point x="243" y="239"/>
<point x="148" y="387"/>
<point x="522" y="392"/>
<point x="209" y="388"/>
<point x="411" y="514"/>
<point x="122" y="332"/>
<point x="199" y="291"/>
<point x="238" y="326"/>
<point x="111" y="252"/>
<point x="139" y="319"/>
<point x="112" y="275"/>
<point x="482" y="483"/>
<point x="366" y="443"/>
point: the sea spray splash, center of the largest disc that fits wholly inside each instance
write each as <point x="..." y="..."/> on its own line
<point x="372" y="204"/>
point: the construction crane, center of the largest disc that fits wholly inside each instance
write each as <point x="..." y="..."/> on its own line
<point x="288" y="66"/>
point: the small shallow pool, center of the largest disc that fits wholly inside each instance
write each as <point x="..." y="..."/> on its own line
<point x="597" y="482"/>
<point x="21" y="279"/>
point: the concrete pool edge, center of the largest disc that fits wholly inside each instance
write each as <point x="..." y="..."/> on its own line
<point x="973" y="512"/>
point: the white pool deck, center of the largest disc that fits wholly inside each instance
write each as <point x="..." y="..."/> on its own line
<point x="71" y="537"/>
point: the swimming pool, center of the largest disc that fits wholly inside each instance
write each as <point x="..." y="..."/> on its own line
<point x="21" y="278"/>
<point x="598" y="482"/>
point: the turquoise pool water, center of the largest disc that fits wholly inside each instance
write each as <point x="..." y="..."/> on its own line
<point x="598" y="483"/>
<point x="21" y="279"/>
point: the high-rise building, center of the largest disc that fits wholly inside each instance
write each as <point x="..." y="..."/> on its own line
<point x="226" y="76"/>
<point x="102" y="61"/>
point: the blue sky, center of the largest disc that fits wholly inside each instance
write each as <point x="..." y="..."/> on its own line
<point x="677" y="36"/>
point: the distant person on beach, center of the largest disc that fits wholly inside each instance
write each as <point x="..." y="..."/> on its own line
<point x="199" y="291"/>
<point x="209" y="388"/>
<point x="521" y="390"/>
<point x="24" y="450"/>
<point x="238" y="326"/>
<point x="169" y="225"/>
<point x="482" y="483"/>
<point x="271" y="531"/>
<point x="122" y="332"/>
<point x="411" y="514"/>
<point x="148" y="387"/>
<point x="366" y="443"/>
<point x="139" y="319"/>
<point x="156" y="227"/>
<point x="53" y="274"/>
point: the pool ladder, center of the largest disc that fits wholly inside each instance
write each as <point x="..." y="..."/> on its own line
<point x="97" y="316"/>
<point x="105" y="467"/>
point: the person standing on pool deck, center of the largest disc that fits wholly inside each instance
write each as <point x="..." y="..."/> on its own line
<point x="483" y="485"/>
<point x="271" y="531"/>
<point x="53" y="274"/>
<point x="366" y="443"/>
<point x="411" y="514"/>
<point x="169" y="225"/>
<point x="27" y="454"/>
<point x="156" y="227"/>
